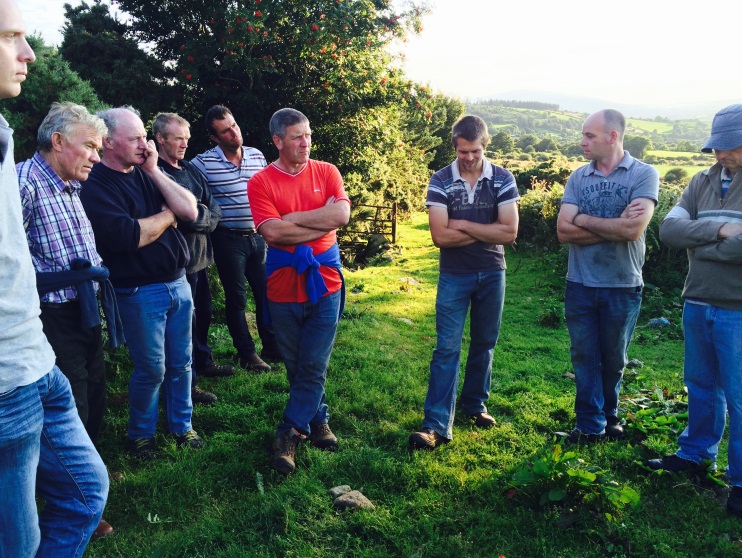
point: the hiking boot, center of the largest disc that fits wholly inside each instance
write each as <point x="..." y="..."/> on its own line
<point x="190" y="439"/>
<point x="254" y="363"/>
<point x="613" y="428"/>
<point x="201" y="397"/>
<point x="483" y="420"/>
<point x="214" y="370"/>
<point x="427" y="438"/>
<point x="734" y="502"/>
<point x="577" y="436"/>
<point x="144" y="448"/>
<point x="271" y="355"/>
<point x="321" y="437"/>
<point x="284" y="451"/>
<point x="672" y="463"/>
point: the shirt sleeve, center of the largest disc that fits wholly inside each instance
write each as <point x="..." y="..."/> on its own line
<point x="335" y="186"/>
<point x="261" y="202"/>
<point x="648" y="186"/>
<point x="115" y="229"/>
<point x="680" y="228"/>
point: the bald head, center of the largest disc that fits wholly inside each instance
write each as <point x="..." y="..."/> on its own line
<point x="614" y="121"/>
<point x="126" y="144"/>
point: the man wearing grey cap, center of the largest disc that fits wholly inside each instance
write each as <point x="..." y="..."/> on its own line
<point x="707" y="221"/>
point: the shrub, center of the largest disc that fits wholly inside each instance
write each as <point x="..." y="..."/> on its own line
<point x="676" y="176"/>
<point x="539" y="209"/>
<point x="664" y="267"/>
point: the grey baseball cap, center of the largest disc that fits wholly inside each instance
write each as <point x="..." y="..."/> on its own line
<point x="726" y="130"/>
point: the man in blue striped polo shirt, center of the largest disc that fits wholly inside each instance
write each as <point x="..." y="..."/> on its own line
<point x="239" y="251"/>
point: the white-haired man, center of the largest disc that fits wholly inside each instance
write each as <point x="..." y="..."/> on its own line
<point x="134" y="208"/>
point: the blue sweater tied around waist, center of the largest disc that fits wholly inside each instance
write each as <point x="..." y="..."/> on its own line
<point x="81" y="274"/>
<point x="303" y="259"/>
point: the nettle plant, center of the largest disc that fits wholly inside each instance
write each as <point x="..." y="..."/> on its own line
<point x="562" y="478"/>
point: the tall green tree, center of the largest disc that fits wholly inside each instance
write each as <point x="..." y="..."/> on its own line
<point x="328" y="58"/>
<point x="103" y="51"/>
<point x="49" y="79"/>
<point x="637" y="145"/>
<point x="502" y="142"/>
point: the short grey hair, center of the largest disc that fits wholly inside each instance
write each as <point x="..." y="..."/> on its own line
<point x="112" y="116"/>
<point x="284" y="118"/>
<point x="614" y="120"/>
<point x="164" y="119"/>
<point x="65" y="118"/>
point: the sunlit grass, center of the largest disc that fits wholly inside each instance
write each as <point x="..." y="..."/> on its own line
<point x="225" y="501"/>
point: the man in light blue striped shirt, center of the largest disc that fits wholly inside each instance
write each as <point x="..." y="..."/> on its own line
<point x="239" y="251"/>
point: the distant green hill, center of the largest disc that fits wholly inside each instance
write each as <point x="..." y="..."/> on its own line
<point x="519" y="119"/>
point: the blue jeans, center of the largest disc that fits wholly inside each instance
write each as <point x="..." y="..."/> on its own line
<point x="600" y="323"/>
<point x="45" y="451"/>
<point x="485" y="293"/>
<point x="305" y="333"/>
<point x="238" y="258"/>
<point x="157" y="326"/>
<point x="713" y="374"/>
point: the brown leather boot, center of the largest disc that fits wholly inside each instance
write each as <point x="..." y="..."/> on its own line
<point x="284" y="451"/>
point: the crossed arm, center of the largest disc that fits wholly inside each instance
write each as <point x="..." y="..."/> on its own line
<point x="574" y="227"/>
<point x="454" y="233"/>
<point x="179" y="202"/>
<point x="300" y="227"/>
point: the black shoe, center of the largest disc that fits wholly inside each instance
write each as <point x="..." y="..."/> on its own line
<point x="577" y="436"/>
<point x="613" y="428"/>
<point x="734" y="502"/>
<point x="271" y="355"/>
<point x="214" y="370"/>
<point x="254" y="363"/>
<point x="321" y="437"/>
<point x="144" y="448"/>
<point x="284" y="451"/>
<point x="427" y="438"/>
<point x="190" y="439"/>
<point x="483" y="420"/>
<point x="672" y="463"/>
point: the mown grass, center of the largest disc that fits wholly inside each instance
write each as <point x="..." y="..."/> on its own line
<point x="650" y="125"/>
<point x="225" y="501"/>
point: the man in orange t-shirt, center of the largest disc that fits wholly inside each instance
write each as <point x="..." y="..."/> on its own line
<point x="297" y="203"/>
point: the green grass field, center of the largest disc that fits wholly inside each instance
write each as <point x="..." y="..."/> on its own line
<point x="649" y="125"/>
<point x="460" y="500"/>
<point x="690" y="169"/>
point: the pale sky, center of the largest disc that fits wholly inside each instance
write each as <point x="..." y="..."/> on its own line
<point x="637" y="51"/>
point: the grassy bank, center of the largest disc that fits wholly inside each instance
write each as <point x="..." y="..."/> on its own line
<point x="461" y="500"/>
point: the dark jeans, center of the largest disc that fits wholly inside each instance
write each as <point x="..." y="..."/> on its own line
<point x="306" y="333"/>
<point x="199" y="282"/>
<point x="600" y="321"/>
<point x="238" y="258"/>
<point x="80" y="358"/>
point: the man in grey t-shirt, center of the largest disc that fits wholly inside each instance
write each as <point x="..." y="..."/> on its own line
<point x="606" y="208"/>
<point x="44" y="449"/>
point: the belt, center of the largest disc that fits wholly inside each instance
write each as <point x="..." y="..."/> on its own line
<point x="238" y="232"/>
